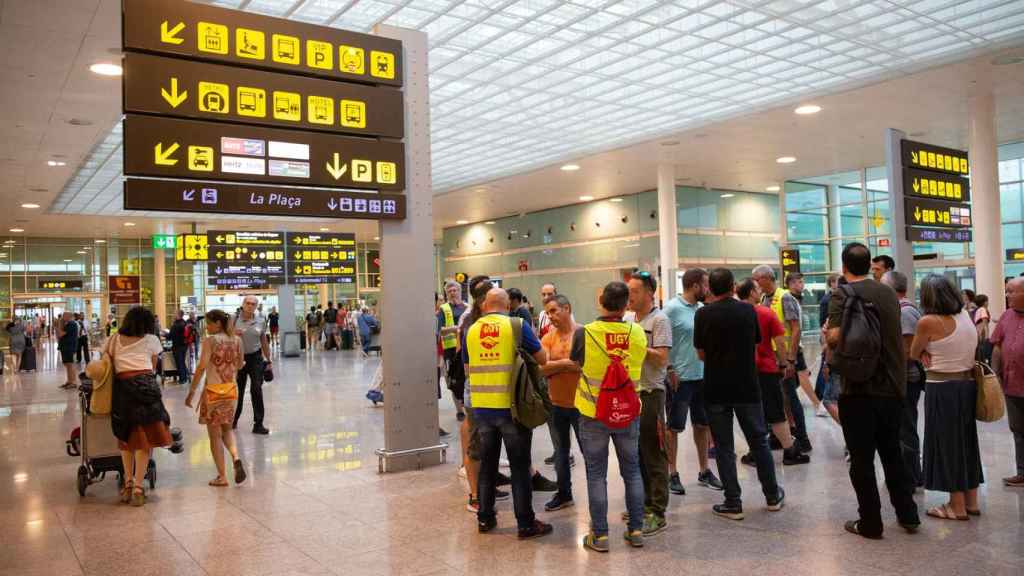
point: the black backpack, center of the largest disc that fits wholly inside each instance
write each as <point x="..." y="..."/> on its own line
<point x="856" y="358"/>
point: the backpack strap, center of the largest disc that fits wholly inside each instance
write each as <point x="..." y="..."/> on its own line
<point x="517" y="331"/>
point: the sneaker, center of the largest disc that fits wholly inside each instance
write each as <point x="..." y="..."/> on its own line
<point x="634" y="537"/>
<point x="775" y="504"/>
<point x="260" y="430"/>
<point x="748" y="459"/>
<point x="653" y="524"/>
<point x="821" y="412"/>
<point x="1014" y="481"/>
<point x="675" y="486"/>
<point x="536" y="531"/>
<point x="542" y="484"/>
<point x="730" y="511"/>
<point x="485" y="526"/>
<point x="793" y="457"/>
<point x="708" y="479"/>
<point x="502" y="480"/>
<point x="596" y="543"/>
<point x="473" y="505"/>
<point x="803" y="445"/>
<point x="557" y="503"/>
<point x="501" y="495"/>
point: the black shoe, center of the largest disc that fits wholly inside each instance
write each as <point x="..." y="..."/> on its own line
<point x="485" y="526"/>
<point x="911" y="527"/>
<point x="803" y="445"/>
<point x="550" y="460"/>
<point x="775" y="504"/>
<point x="502" y="480"/>
<point x="675" y="485"/>
<point x="748" y="459"/>
<point x="500" y="495"/>
<point x="853" y="527"/>
<point x="542" y="484"/>
<point x="260" y="430"/>
<point x="443" y="432"/>
<point x="793" y="457"/>
<point x="460" y="416"/>
<point x="557" y="503"/>
<point x="730" y="511"/>
<point x="536" y="531"/>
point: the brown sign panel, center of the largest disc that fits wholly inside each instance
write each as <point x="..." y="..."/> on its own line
<point x="921" y="212"/>
<point x="1015" y="254"/>
<point x="206" y="32"/>
<point x="60" y="284"/>
<point x="934" y="158"/>
<point x="225" y="275"/>
<point x="222" y="198"/>
<point x="189" y="89"/>
<point x="321" y="258"/>
<point x="935" y="185"/>
<point x="124" y="289"/>
<point x="790" y="258"/>
<point x="174" y="148"/>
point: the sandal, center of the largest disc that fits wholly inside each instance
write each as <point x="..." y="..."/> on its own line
<point x="218" y="482"/>
<point x="945" y="512"/>
<point x="240" y="474"/>
<point x="126" y="491"/>
<point x="138" y="496"/>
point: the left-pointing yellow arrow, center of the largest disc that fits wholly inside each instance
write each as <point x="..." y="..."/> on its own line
<point x="162" y="157"/>
<point x="174" y="97"/>
<point x="170" y="36"/>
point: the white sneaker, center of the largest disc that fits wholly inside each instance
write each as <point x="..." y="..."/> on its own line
<point x="821" y="412"/>
<point x="462" y="471"/>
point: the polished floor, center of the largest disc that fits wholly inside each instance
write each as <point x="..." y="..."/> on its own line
<point x="315" y="505"/>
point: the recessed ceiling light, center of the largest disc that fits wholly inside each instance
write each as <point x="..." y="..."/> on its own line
<point x="490" y="222"/>
<point x="3" y="254"/>
<point x="30" y="205"/>
<point x="16" y="230"/>
<point x="9" y="242"/>
<point x="106" y="69"/>
<point x="615" y="200"/>
<point x="100" y="241"/>
<point x="376" y="237"/>
<point x="81" y="252"/>
<point x="68" y="260"/>
<point x="570" y="167"/>
<point x="772" y="189"/>
<point x="129" y="224"/>
<point x="462" y="221"/>
<point x="56" y="163"/>
<point x="727" y="195"/>
<point x="325" y="229"/>
<point x="808" y="109"/>
<point x="786" y="159"/>
<point x="586" y="198"/>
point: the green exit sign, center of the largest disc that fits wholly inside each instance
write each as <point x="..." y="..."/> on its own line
<point x="163" y="241"/>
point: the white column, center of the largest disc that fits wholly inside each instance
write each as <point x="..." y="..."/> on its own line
<point x="286" y="318"/>
<point x="668" y="230"/>
<point x="988" y="229"/>
<point x="160" y="287"/>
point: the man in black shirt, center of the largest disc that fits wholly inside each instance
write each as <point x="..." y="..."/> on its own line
<point x="725" y="334"/>
<point x="331" y="327"/>
<point x="870" y="411"/>
<point x="179" y="346"/>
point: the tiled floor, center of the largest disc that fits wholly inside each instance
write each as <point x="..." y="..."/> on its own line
<point x="315" y="505"/>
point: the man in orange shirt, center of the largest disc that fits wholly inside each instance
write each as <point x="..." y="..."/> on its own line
<point x="563" y="375"/>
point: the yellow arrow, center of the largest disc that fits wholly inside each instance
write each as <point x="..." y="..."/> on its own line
<point x="917" y="185"/>
<point x="163" y="157"/>
<point x="174" y="97"/>
<point x="917" y="213"/>
<point x="913" y="157"/>
<point x="337" y="170"/>
<point x="171" y="36"/>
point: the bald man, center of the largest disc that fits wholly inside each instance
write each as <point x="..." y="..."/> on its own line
<point x="491" y="349"/>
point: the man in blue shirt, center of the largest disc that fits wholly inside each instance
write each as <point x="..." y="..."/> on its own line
<point x="687" y="392"/>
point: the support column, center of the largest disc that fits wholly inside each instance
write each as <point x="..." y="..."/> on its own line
<point x="985" y="208"/>
<point x="668" y="230"/>
<point x="407" y="322"/>
<point x="160" y="287"/>
<point x="286" y="316"/>
<point x="323" y="296"/>
<point x="902" y="249"/>
<point x="835" y="228"/>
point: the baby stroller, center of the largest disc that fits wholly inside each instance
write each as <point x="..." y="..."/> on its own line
<point x="95" y="442"/>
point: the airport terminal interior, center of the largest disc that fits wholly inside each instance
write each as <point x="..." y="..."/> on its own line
<point x="315" y="169"/>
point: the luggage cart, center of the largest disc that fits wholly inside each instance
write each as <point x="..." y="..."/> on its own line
<point x="166" y="367"/>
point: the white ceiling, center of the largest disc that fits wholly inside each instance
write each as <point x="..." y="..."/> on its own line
<point x="517" y="85"/>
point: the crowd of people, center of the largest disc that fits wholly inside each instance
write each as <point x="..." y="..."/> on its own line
<point x="341" y="328"/>
<point x="729" y="350"/>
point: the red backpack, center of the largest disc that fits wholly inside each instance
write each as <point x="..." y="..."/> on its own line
<point x="618" y="404"/>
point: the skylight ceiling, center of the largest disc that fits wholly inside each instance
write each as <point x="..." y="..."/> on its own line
<point x="518" y="84"/>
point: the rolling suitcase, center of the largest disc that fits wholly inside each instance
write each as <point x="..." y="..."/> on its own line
<point x="28" y="359"/>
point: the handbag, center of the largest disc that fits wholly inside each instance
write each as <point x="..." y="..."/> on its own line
<point x="990" y="404"/>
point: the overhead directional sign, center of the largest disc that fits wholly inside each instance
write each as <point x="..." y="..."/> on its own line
<point x="163" y="241"/>
<point x="60" y="284"/>
<point x="241" y="276"/>
<point x="1015" y="254"/>
<point x="219" y="198"/>
<point x="790" y="260"/>
<point x="167" y="147"/>
<point x="193" y="30"/>
<point x="937" y="185"/>
<point x="190" y="247"/>
<point x="934" y="158"/>
<point x="245" y="238"/>
<point x="921" y="212"/>
<point x="321" y="258"/>
<point x="929" y="234"/>
<point x="188" y="89"/>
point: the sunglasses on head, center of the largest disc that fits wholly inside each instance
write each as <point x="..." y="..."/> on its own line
<point x="646" y="277"/>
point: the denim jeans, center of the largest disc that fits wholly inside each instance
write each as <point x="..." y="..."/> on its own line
<point x="910" y="441"/>
<point x="594" y="437"/>
<point x="819" y="383"/>
<point x="562" y="420"/>
<point x="492" y="430"/>
<point x="751" y="419"/>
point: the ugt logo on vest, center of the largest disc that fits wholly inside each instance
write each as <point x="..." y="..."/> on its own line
<point x="489" y="335"/>
<point x="616" y="343"/>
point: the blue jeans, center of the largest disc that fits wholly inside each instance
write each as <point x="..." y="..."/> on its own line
<point x="562" y="420"/>
<point x="594" y="437"/>
<point x="367" y="340"/>
<point x="789" y="388"/>
<point x="819" y="384"/>
<point x="492" y="430"/>
<point x="751" y="419"/>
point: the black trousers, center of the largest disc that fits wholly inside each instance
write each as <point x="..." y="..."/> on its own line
<point x="83" y="349"/>
<point x="253" y="370"/>
<point x="870" y="424"/>
<point x="910" y="440"/>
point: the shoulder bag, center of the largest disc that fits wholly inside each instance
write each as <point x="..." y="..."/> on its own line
<point x="990" y="404"/>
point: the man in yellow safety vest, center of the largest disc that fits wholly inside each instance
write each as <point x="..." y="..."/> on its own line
<point x="448" y="331"/>
<point x="593" y="346"/>
<point x="492" y="352"/>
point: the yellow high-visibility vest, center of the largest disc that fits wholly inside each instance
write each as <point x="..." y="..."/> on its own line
<point x="491" y="347"/>
<point x="603" y="339"/>
<point x="777" y="308"/>
<point x="451" y="339"/>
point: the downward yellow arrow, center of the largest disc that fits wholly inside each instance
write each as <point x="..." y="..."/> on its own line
<point x="917" y="185"/>
<point x="171" y="36"/>
<point x="174" y="97"/>
<point x="337" y="170"/>
<point x="163" y="157"/>
<point x="917" y="213"/>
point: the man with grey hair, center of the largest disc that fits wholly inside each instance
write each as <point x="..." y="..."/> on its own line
<point x="448" y="315"/>
<point x="251" y="328"/>
<point x="910" y="441"/>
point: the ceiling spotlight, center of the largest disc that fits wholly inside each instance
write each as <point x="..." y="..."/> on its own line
<point x="16" y="230"/>
<point x="30" y="205"/>
<point x="490" y="222"/>
<point x="81" y="252"/>
<point x="106" y="69"/>
<point x="56" y="163"/>
<point x="570" y="167"/>
<point x="68" y="260"/>
<point x="586" y="198"/>
<point x="129" y="224"/>
<point x="100" y="241"/>
<point x="727" y="195"/>
<point x="324" y="229"/>
<point x="772" y="189"/>
<point x="808" y="109"/>
<point x="786" y="159"/>
<point x="460" y="222"/>
<point x="615" y="200"/>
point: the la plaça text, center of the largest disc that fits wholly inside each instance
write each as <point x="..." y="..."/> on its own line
<point x="275" y="199"/>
